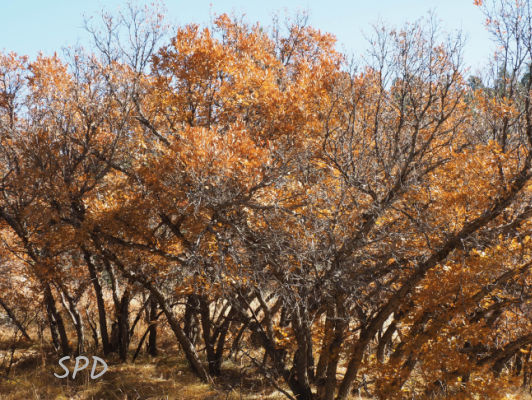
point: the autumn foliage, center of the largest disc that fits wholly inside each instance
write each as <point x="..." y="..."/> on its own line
<point x="340" y="229"/>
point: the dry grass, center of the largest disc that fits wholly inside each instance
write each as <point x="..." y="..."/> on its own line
<point x="164" y="377"/>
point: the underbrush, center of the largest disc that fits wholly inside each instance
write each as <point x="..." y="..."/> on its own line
<point x="28" y="373"/>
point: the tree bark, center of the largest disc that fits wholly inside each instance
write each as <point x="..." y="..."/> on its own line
<point x="102" y="315"/>
<point x="13" y="318"/>
<point x="152" y="339"/>
<point x="59" y="324"/>
<point x="123" y="325"/>
<point x="70" y="306"/>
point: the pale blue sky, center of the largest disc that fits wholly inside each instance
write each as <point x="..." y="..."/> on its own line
<point x="30" y="26"/>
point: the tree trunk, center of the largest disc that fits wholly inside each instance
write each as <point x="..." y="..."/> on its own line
<point x="13" y="318"/>
<point x="123" y="326"/>
<point x="190" y="325"/>
<point x="186" y="345"/>
<point x="70" y="306"/>
<point x="152" y="339"/>
<point x="321" y="368"/>
<point x="52" y="324"/>
<point x="59" y="325"/>
<point x="102" y="315"/>
<point x="206" y="327"/>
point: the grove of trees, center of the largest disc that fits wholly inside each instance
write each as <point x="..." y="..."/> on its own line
<point x="332" y="223"/>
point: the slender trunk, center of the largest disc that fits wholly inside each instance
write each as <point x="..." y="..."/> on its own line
<point x="186" y="345"/>
<point x="339" y="326"/>
<point x="222" y="334"/>
<point x="70" y="307"/>
<point x="321" y="369"/>
<point x="385" y="340"/>
<point x="114" y="286"/>
<point x="207" y="337"/>
<point x="301" y="363"/>
<point x="152" y="339"/>
<point x="53" y="328"/>
<point x="141" y="342"/>
<point x="123" y="326"/>
<point x="301" y="385"/>
<point x="142" y="310"/>
<point x="99" y="302"/>
<point x="327" y="392"/>
<point x="13" y="318"/>
<point x="190" y="325"/>
<point x="59" y="324"/>
<point x="92" y="325"/>
<point x="311" y="370"/>
<point x="353" y="366"/>
<point x="235" y="346"/>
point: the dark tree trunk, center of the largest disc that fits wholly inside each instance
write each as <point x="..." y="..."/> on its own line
<point x="102" y="315"/>
<point x="123" y="326"/>
<point x="94" y="331"/>
<point x="13" y="318"/>
<point x="327" y="384"/>
<point x="206" y="327"/>
<point x="191" y="326"/>
<point x="58" y="322"/>
<point x="186" y="345"/>
<point x="222" y="334"/>
<point x="321" y="369"/>
<point x="70" y="307"/>
<point x="52" y="324"/>
<point x="385" y="340"/>
<point x="152" y="339"/>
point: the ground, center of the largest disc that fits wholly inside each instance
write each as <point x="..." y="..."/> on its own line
<point x="164" y="377"/>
